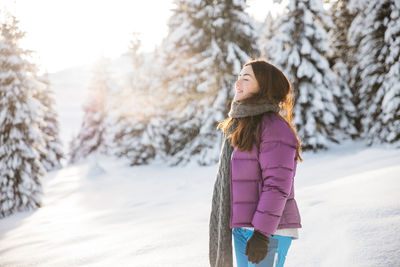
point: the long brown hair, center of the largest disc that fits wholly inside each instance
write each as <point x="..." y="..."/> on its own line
<point x="275" y="87"/>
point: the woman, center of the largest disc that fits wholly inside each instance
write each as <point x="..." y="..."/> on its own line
<point x="253" y="197"/>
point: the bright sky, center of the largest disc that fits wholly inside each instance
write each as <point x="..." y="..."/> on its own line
<point x="76" y="32"/>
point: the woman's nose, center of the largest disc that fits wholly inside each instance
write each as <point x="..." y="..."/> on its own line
<point x="237" y="84"/>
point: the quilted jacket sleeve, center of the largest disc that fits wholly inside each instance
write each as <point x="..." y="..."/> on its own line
<point x="276" y="157"/>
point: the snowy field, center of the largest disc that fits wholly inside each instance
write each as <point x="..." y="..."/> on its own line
<point x="108" y="214"/>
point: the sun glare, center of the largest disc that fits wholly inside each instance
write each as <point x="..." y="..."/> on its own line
<point x="69" y="33"/>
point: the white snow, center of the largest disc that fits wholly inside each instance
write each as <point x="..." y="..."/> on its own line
<point x="103" y="213"/>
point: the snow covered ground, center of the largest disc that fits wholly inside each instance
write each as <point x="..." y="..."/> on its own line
<point x="108" y="214"/>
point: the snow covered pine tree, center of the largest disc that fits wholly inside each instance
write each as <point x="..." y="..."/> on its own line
<point x="53" y="150"/>
<point x="375" y="32"/>
<point x="21" y="141"/>
<point x="299" y="46"/>
<point x="132" y="108"/>
<point x="341" y="57"/>
<point x="91" y="136"/>
<point x="207" y="43"/>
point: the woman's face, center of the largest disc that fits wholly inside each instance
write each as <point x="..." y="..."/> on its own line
<point x="246" y="84"/>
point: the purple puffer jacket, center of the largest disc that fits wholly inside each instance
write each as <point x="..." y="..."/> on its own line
<point x="262" y="190"/>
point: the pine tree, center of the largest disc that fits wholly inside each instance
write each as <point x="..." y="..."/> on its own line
<point x="21" y="141"/>
<point x="129" y="132"/>
<point x="341" y="57"/>
<point x="51" y="159"/>
<point x="131" y="110"/>
<point x="299" y="47"/>
<point x="132" y="141"/>
<point x="342" y="18"/>
<point x="92" y="134"/>
<point x="137" y="76"/>
<point x="267" y="34"/>
<point x="354" y="35"/>
<point x="376" y="33"/>
<point x="207" y="44"/>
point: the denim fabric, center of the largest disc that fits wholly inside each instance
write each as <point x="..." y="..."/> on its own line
<point x="277" y="249"/>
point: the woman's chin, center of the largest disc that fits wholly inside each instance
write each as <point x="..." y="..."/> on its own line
<point x="237" y="98"/>
<point x="241" y="98"/>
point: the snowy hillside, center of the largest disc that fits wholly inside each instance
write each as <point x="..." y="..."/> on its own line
<point x="107" y="214"/>
<point x="71" y="88"/>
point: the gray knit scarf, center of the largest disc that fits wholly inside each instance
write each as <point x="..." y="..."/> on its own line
<point x="220" y="233"/>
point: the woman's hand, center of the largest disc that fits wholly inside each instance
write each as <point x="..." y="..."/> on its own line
<point x="257" y="247"/>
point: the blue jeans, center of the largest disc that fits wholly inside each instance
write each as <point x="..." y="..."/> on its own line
<point x="277" y="245"/>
